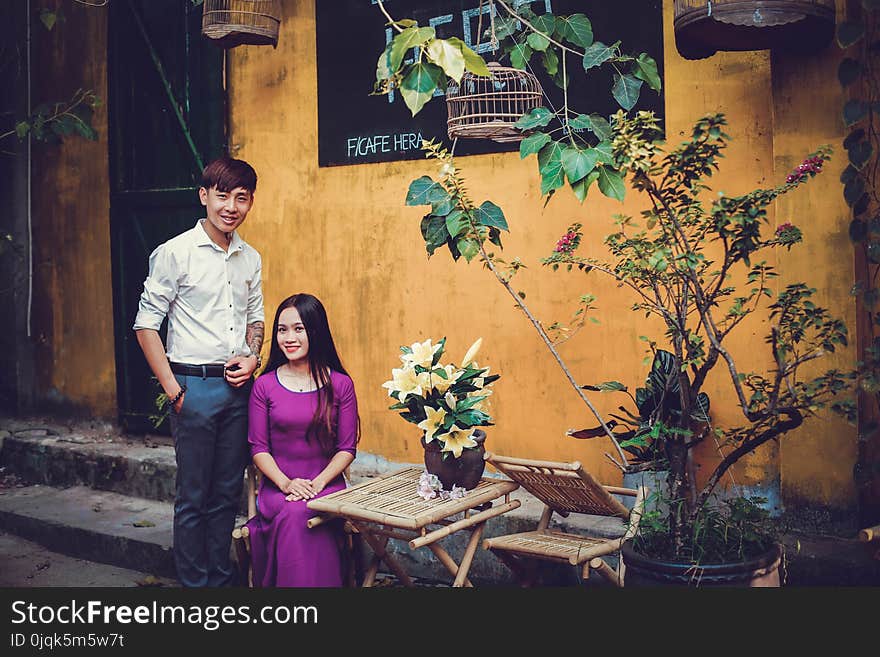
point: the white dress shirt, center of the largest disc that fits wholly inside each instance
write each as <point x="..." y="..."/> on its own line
<point x="209" y="296"/>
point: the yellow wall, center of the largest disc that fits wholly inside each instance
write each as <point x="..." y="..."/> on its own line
<point x="344" y="234"/>
<point x="73" y="306"/>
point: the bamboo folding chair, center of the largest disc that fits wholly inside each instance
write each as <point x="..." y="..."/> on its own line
<point x="563" y="488"/>
<point x="350" y="549"/>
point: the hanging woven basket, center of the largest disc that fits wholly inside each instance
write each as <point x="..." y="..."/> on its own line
<point x="703" y="27"/>
<point x="488" y="108"/>
<point x="231" y="23"/>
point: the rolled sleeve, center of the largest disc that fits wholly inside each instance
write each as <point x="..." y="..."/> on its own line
<point x="160" y="289"/>
<point x="255" y="312"/>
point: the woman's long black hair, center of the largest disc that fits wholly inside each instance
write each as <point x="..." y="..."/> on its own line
<point x="322" y="358"/>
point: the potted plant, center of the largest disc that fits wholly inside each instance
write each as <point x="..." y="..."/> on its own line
<point x="697" y="265"/>
<point x="447" y="402"/>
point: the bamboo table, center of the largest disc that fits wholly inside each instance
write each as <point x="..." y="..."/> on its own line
<point x="389" y="506"/>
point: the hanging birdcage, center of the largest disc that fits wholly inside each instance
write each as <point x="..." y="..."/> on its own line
<point x="231" y="23"/>
<point x="703" y="27"/>
<point x="488" y="108"/>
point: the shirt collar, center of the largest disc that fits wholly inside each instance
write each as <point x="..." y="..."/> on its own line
<point x="203" y="239"/>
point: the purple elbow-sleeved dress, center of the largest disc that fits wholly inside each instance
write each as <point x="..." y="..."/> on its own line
<point x="285" y="552"/>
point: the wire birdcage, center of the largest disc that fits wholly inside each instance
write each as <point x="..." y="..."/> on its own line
<point x="488" y="108"/>
<point x="231" y="23"/>
<point x="703" y="27"/>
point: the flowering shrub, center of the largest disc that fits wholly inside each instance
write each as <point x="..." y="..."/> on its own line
<point x="446" y="401"/>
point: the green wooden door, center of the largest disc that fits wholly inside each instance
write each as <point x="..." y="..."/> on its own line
<point x="167" y="109"/>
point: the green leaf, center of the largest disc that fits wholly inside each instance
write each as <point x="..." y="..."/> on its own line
<point x="858" y="230"/>
<point x="578" y="163"/>
<point x="577" y="29"/>
<point x="848" y="71"/>
<point x="611" y="386"/>
<point x="532" y="144"/>
<point x="472" y="61"/>
<point x="626" y="90"/>
<point x="468" y="248"/>
<point x="853" y="190"/>
<point x="456" y="222"/>
<point x="489" y="214"/>
<point x="48" y="18"/>
<point x="550" y="167"/>
<point x="545" y="23"/>
<point x="848" y="174"/>
<point x="611" y="183"/>
<point x="424" y="191"/>
<point x="855" y="136"/>
<point x="537" y="41"/>
<point x="860" y="154"/>
<point x="538" y="117"/>
<point x="854" y="111"/>
<point x="434" y="232"/>
<point x="849" y="32"/>
<point x="383" y="66"/>
<point x="409" y="38"/>
<point x="581" y="122"/>
<point x="581" y="187"/>
<point x="447" y="56"/>
<point x="520" y="56"/>
<point x="600" y="127"/>
<point x="551" y="61"/>
<point x="645" y="68"/>
<point x="419" y="84"/>
<point x="597" y="54"/>
<point x="22" y="128"/>
<point x="605" y="151"/>
<point x="443" y="207"/>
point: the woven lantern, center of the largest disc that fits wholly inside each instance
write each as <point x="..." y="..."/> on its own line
<point x="488" y="108"/>
<point x="231" y="23"/>
<point x="703" y="27"/>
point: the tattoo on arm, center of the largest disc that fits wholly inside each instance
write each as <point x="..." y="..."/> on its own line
<point x="254" y="337"/>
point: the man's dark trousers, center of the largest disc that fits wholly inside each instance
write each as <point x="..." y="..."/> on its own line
<point x="211" y="448"/>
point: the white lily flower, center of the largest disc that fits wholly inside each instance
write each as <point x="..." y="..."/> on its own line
<point x="432" y="423"/>
<point x="406" y="382"/>
<point x="422" y="353"/>
<point x="457" y="440"/>
<point x="450" y="400"/>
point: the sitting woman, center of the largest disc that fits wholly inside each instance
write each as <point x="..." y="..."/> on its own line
<point x="303" y="431"/>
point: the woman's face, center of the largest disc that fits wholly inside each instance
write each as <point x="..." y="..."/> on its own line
<point x="292" y="336"/>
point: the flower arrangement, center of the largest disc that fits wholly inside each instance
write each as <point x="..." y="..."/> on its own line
<point x="446" y="401"/>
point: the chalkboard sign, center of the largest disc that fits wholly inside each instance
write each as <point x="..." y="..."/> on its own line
<point x="356" y="128"/>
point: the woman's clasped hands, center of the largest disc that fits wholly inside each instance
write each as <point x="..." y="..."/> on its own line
<point x="302" y="489"/>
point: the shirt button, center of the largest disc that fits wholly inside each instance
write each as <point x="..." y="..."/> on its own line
<point x="229" y="282"/>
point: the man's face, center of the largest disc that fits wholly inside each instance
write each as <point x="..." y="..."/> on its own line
<point x="226" y="210"/>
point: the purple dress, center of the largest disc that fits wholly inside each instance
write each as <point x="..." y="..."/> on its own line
<point x="285" y="552"/>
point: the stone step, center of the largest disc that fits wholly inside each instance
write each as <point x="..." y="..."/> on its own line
<point x="48" y="456"/>
<point x="102" y="526"/>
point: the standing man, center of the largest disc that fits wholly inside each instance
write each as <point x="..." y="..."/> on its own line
<point x="208" y="282"/>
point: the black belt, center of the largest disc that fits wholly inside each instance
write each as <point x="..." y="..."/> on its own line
<point x="198" y="370"/>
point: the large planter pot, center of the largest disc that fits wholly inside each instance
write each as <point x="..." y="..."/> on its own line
<point x="761" y="571"/>
<point x="464" y="471"/>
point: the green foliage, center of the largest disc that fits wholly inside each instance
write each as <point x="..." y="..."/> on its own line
<point x="858" y="74"/>
<point x="569" y="145"/>
<point x="53" y="122"/>
<point x="730" y="531"/>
